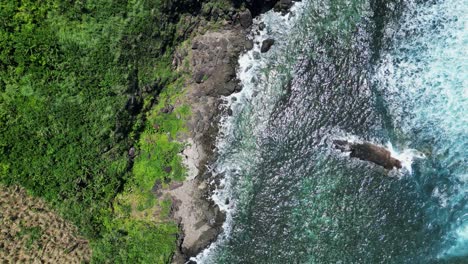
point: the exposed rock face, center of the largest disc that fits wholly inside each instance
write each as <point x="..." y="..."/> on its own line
<point x="213" y="60"/>
<point x="369" y="152"/>
<point x="266" y="45"/>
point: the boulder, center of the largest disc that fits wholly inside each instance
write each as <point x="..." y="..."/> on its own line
<point x="245" y="18"/>
<point x="266" y="45"/>
<point x="369" y="152"/>
<point x="261" y="26"/>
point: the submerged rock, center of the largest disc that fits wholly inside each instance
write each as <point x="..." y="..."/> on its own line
<point x="266" y="45"/>
<point x="369" y="152"/>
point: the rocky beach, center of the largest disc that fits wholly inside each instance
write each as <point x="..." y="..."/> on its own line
<point x="213" y="62"/>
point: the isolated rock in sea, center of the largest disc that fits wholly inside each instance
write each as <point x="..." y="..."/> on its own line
<point x="266" y="45"/>
<point x="369" y="152"/>
<point x="261" y="26"/>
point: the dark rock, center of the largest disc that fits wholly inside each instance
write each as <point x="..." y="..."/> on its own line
<point x="266" y="45"/>
<point x="283" y="6"/>
<point x="369" y="152"/>
<point x="157" y="187"/>
<point x="245" y="18"/>
<point x="200" y="76"/>
<point x="134" y="104"/>
<point x="168" y="169"/>
<point x="195" y="45"/>
<point x="256" y="6"/>
<point x="261" y="26"/>
<point x="229" y="112"/>
<point x="227" y="89"/>
<point x="237" y="88"/>
<point x="167" y="109"/>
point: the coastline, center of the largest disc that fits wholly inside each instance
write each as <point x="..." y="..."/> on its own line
<point x="213" y="61"/>
<point x="213" y="58"/>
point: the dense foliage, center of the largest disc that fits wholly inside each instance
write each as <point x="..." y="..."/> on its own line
<point x="71" y="80"/>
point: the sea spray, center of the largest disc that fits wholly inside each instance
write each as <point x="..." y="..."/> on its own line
<point x="406" y="156"/>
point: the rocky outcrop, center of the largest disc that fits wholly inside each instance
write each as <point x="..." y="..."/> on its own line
<point x="369" y="152"/>
<point x="212" y="59"/>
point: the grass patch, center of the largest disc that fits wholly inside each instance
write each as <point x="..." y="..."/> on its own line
<point x="67" y="71"/>
<point x="33" y="235"/>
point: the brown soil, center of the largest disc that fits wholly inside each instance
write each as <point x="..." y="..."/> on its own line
<point x="32" y="233"/>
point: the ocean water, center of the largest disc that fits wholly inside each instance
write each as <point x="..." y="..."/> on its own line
<point x="389" y="72"/>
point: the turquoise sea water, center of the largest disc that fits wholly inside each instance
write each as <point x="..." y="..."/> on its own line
<point x="389" y="72"/>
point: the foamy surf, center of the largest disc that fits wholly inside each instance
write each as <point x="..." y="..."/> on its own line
<point x="406" y="156"/>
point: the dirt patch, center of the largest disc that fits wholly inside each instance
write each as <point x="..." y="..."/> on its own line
<point x="32" y="233"/>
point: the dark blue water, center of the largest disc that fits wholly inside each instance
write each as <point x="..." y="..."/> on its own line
<point x="389" y="72"/>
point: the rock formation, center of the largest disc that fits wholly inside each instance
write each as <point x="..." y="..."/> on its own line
<point x="369" y="152"/>
<point x="266" y="45"/>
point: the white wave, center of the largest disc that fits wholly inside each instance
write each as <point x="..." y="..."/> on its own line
<point x="424" y="79"/>
<point x="406" y="157"/>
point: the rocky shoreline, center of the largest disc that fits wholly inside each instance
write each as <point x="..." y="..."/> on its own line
<point x="212" y="59"/>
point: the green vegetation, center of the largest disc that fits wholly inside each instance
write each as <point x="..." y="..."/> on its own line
<point x="33" y="234"/>
<point x="72" y="104"/>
